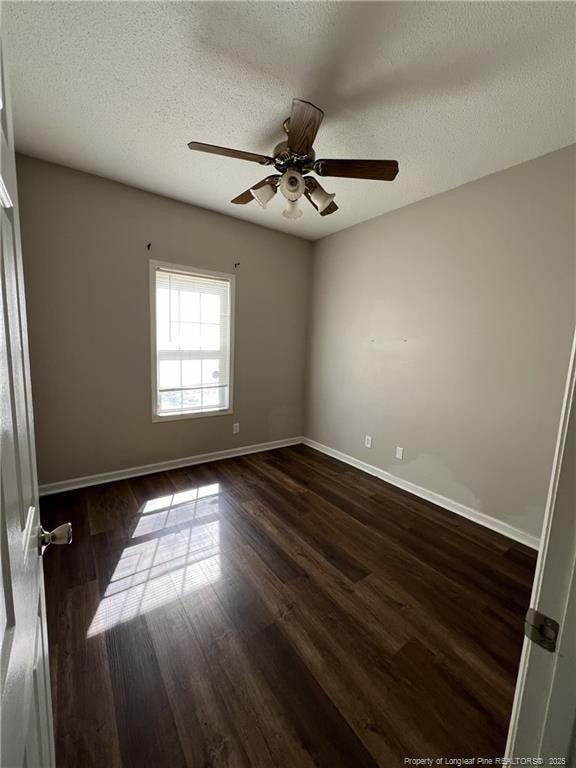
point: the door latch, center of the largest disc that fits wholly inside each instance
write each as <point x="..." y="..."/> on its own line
<point x="541" y="629"/>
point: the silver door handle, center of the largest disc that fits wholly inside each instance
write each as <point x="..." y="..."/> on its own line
<point x="60" y="535"/>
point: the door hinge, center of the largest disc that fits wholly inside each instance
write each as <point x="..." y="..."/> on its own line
<point x="541" y="629"/>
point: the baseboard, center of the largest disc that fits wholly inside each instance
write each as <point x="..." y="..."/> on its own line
<point x="442" y="501"/>
<point x="423" y="493"/>
<point x="162" y="466"/>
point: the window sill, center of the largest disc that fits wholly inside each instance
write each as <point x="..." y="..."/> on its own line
<point x="191" y="415"/>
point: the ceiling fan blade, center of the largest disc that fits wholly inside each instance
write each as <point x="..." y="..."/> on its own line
<point x="310" y="183"/>
<point x="380" y="170"/>
<point x="246" y="197"/>
<point x="227" y="152"/>
<point x="243" y="198"/>
<point x="304" y="124"/>
<point x="332" y="208"/>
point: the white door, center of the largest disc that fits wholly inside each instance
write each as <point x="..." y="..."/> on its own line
<point x="26" y="739"/>
<point x="544" y="712"/>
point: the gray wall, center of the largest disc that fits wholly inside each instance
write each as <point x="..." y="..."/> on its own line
<point x="86" y="270"/>
<point x="445" y="327"/>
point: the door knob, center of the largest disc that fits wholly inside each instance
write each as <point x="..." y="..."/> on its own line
<point x="60" y="535"/>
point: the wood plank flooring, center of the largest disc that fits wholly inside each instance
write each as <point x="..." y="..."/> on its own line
<point x="279" y="610"/>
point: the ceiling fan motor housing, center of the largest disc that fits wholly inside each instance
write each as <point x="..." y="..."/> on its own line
<point x="284" y="157"/>
<point x="292" y="185"/>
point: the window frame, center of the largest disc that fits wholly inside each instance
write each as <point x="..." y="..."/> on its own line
<point x="186" y="269"/>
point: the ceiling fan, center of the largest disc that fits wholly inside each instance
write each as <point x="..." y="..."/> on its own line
<point x="294" y="158"/>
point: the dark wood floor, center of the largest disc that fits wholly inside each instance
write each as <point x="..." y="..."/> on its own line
<point x="280" y="609"/>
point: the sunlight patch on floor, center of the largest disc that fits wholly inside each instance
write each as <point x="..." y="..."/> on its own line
<point x="168" y="566"/>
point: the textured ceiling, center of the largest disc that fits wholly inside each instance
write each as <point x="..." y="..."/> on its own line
<point x="453" y="91"/>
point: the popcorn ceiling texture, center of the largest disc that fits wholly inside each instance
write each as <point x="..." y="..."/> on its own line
<point x="453" y="91"/>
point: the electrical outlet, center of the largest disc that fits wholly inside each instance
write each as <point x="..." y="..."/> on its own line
<point x="368" y="441"/>
<point x="399" y="453"/>
<point x="235" y="428"/>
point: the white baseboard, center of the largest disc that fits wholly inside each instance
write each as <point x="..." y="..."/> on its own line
<point x="162" y="466"/>
<point x="423" y="493"/>
<point x="442" y="501"/>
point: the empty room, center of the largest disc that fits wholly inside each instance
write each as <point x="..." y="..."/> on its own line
<point x="287" y="355"/>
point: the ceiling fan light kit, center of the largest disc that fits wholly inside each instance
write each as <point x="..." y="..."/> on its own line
<point x="292" y="185"/>
<point x="264" y="194"/>
<point x="292" y="210"/>
<point x="321" y="198"/>
<point x="294" y="158"/>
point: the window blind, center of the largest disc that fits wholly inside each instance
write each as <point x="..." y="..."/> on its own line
<point x="192" y="342"/>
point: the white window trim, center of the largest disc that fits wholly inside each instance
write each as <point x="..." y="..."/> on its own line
<point x="187" y="269"/>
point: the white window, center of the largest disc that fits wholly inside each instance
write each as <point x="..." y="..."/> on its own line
<point x="192" y="333"/>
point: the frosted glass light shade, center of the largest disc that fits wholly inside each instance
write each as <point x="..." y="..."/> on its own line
<point x="321" y="198"/>
<point x="292" y="185"/>
<point x="264" y="194"/>
<point x="292" y="210"/>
